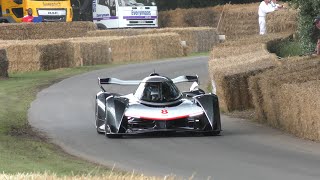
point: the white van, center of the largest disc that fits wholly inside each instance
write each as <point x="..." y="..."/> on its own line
<point x="124" y="13"/>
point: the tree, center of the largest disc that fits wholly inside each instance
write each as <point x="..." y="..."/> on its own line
<point x="308" y="10"/>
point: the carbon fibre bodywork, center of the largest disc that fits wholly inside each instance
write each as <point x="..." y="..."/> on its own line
<point x="118" y="115"/>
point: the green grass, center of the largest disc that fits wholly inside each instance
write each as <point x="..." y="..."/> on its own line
<point x="21" y="149"/>
<point x="287" y="48"/>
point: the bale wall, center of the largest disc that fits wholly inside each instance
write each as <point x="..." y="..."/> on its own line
<point x="264" y="87"/>
<point x="237" y="20"/>
<point x="55" y="55"/>
<point x="34" y="55"/>
<point x="3" y="64"/>
<point x="146" y="47"/>
<point x="199" y="39"/>
<point x="234" y="62"/>
<point x="299" y="109"/>
<point x="91" y="51"/>
<point x="22" y="56"/>
<point x="52" y="30"/>
<point x="194" y="17"/>
<point x="231" y="75"/>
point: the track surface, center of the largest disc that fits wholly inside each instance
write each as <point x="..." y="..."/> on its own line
<point x="246" y="150"/>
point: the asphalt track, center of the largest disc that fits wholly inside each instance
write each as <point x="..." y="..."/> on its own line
<point x="245" y="150"/>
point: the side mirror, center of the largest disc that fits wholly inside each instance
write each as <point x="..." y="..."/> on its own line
<point x="194" y="86"/>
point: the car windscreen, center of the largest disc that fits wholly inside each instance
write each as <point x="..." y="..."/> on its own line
<point x="158" y="92"/>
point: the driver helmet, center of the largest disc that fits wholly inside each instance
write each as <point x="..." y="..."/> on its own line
<point x="154" y="91"/>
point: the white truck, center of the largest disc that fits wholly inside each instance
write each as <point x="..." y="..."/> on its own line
<point x="109" y="14"/>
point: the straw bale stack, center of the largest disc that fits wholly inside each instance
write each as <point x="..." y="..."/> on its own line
<point x="22" y="56"/>
<point x="237" y="20"/>
<point x="118" y="32"/>
<point x="248" y="40"/>
<point x="282" y="21"/>
<point x="198" y="39"/>
<point x="223" y="50"/>
<point x="91" y="51"/>
<point x="233" y="62"/>
<point x="264" y="87"/>
<point x="299" y="109"/>
<point x="3" y="64"/>
<point x="34" y="55"/>
<point x="242" y="20"/>
<point x="172" y="18"/>
<point x="52" y="30"/>
<point x="231" y="75"/>
<point x="146" y="47"/>
<point x="193" y="17"/>
<point x="55" y="55"/>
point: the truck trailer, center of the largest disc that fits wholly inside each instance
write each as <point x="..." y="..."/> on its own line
<point x="108" y="14"/>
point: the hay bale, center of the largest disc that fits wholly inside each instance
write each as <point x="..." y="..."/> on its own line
<point x="52" y="30"/>
<point x="231" y="65"/>
<point x="299" y="109"/>
<point x="237" y="20"/>
<point x="22" y="56"/>
<point x="166" y="45"/>
<point x="282" y="21"/>
<point x="91" y="51"/>
<point x="3" y="64"/>
<point x="265" y="86"/>
<point x="146" y="47"/>
<point x="223" y="51"/>
<point x="193" y="17"/>
<point x="198" y="39"/>
<point x="55" y="55"/>
<point x="231" y="76"/>
<point x="34" y="55"/>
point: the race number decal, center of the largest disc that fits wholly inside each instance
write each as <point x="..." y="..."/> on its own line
<point x="164" y="111"/>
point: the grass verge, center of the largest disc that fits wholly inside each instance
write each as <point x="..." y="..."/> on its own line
<point x="21" y="149"/>
<point x="199" y="54"/>
<point x="287" y="48"/>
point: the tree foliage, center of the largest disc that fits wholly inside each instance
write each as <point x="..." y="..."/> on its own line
<point x="308" y="10"/>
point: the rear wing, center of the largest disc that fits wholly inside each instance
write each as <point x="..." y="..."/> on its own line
<point x="116" y="81"/>
<point x="186" y="79"/>
<point x="102" y="81"/>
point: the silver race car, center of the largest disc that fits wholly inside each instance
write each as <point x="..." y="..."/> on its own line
<point x="157" y="105"/>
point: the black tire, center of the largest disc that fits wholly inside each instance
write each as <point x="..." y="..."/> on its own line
<point x="97" y="128"/>
<point x="97" y="121"/>
<point x="3" y="21"/>
<point x="101" y="27"/>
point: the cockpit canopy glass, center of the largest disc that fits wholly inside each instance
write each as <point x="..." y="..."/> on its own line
<point x="158" y="92"/>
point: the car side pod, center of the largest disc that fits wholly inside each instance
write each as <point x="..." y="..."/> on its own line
<point x="210" y="105"/>
<point x="115" y="125"/>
